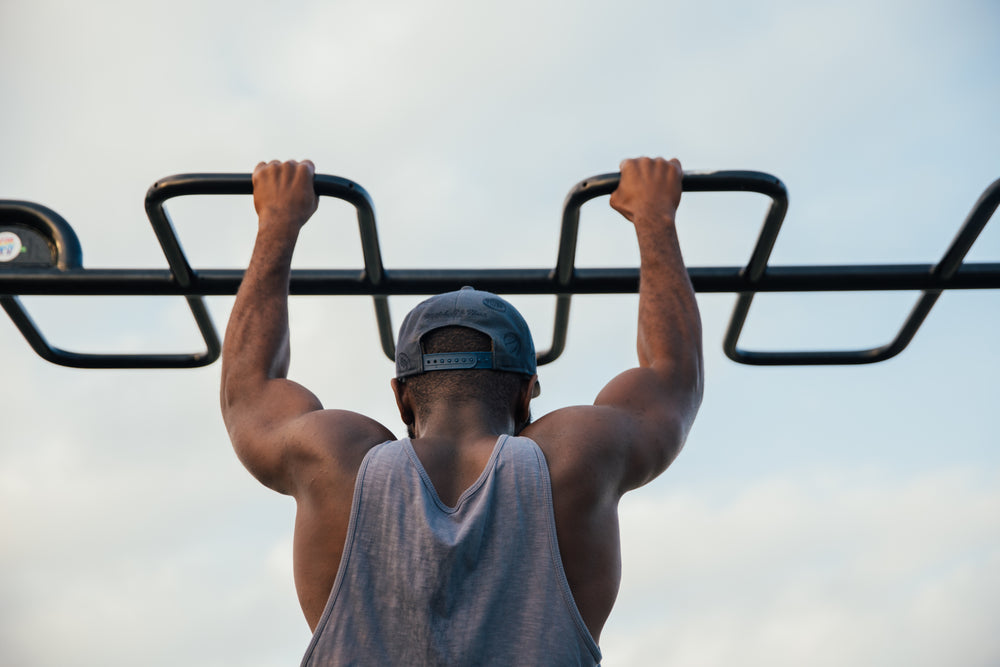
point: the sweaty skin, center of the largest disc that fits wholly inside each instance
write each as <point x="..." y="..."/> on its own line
<point x="596" y="453"/>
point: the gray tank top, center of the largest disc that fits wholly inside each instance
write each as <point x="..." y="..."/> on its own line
<point x="481" y="583"/>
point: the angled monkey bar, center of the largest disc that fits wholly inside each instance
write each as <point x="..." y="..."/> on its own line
<point x="40" y="254"/>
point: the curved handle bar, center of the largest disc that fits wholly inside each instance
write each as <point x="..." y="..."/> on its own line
<point x="68" y="256"/>
<point x="769" y="185"/>
<point x="242" y="184"/>
<point x="605" y="184"/>
<point x="707" y="181"/>
<point x="325" y="185"/>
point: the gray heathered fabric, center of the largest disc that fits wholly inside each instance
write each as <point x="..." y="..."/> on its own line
<point x="482" y="583"/>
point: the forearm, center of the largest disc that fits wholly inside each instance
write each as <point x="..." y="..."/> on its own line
<point x="669" y="332"/>
<point x="256" y="346"/>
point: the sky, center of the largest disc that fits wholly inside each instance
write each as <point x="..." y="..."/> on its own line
<point x="822" y="516"/>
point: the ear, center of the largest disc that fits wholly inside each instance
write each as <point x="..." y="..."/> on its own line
<point x="403" y="401"/>
<point x="524" y="401"/>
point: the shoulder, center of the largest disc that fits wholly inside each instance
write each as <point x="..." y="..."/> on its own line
<point x="318" y="450"/>
<point x="332" y="442"/>
<point x="581" y="446"/>
<point x="610" y="447"/>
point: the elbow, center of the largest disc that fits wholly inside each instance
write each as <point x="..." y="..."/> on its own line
<point x="234" y="391"/>
<point x="687" y="390"/>
<point x="683" y="380"/>
<point x="695" y="392"/>
<point x="692" y="381"/>
<point x="228" y="406"/>
<point x="698" y="387"/>
<point x="239" y="382"/>
<point x="228" y="393"/>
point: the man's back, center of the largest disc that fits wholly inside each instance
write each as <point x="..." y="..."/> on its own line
<point x="476" y="581"/>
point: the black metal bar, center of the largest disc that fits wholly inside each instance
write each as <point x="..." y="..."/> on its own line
<point x="22" y="320"/>
<point x="325" y="185"/>
<point x="949" y="266"/>
<point x="415" y="282"/>
<point x="383" y="318"/>
<point x="180" y="279"/>
<point x="715" y="181"/>
<point x="981" y="213"/>
<point x="67" y="259"/>
<point x="559" y="328"/>
<point x="242" y="184"/>
<point x="66" y="276"/>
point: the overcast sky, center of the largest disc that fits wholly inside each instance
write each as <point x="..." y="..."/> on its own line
<point x="821" y="516"/>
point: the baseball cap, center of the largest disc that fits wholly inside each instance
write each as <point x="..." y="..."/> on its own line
<point x="513" y="349"/>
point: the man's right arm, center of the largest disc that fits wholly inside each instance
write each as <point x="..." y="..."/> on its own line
<point x="279" y="428"/>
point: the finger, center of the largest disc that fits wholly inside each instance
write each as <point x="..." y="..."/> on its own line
<point x="309" y="163"/>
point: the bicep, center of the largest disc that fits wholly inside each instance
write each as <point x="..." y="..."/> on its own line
<point x="651" y="416"/>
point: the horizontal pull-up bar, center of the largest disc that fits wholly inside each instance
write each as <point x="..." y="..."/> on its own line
<point x="57" y="269"/>
<point x="415" y="282"/>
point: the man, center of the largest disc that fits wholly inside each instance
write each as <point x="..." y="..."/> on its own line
<point x="482" y="538"/>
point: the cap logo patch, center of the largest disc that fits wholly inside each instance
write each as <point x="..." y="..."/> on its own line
<point x="495" y="304"/>
<point x="512" y="342"/>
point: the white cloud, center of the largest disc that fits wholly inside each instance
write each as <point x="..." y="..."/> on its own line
<point x="823" y="569"/>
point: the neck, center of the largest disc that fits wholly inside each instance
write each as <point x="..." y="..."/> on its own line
<point x="463" y="422"/>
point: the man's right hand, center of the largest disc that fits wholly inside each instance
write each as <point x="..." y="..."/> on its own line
<point x="648" y="189"/>
<point x="283" y="192"/>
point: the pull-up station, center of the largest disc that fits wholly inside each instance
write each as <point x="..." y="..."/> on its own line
<point x="41" y="255"/>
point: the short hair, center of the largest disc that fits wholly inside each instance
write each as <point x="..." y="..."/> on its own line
<point x="499" y="390"/>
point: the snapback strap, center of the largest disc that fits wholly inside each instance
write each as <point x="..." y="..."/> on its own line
<point x="446" y="361"/>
